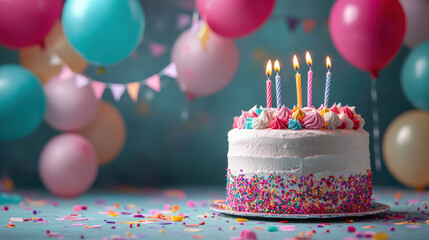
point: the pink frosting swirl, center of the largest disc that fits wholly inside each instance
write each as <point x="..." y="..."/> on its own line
<point x="335" y="109"/>
<point x="239" y="121"/>
<point x="313" y="120"/>
<point x="346" y="110"/>
<point x="281" y="118"/>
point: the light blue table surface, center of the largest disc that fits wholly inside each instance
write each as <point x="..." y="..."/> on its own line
<point x="49" y="208"/>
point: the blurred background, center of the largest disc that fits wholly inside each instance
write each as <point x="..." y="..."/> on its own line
<point x="174" y="139"/>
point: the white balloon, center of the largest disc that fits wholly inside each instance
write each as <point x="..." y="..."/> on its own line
<point x="417" y="15"/>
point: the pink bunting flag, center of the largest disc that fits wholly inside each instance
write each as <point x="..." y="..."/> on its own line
<point x="157" y="50"/>
<point x="309" y="25"/>
<point x="170" y="70"/>
<point x="117" y="90"/>
<point x="66" y="73"/>
<point x="183" y="21"/>
<point x="81" y="81"/>
<point x="98" y="88"/>
<point x="154" y="82"/>
<point x="133" y="90"/>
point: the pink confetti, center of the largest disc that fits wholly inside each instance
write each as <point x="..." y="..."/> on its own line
<point x="183" y="21"/>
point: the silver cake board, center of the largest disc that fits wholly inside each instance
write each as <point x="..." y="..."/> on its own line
<point x="376" y="208"/>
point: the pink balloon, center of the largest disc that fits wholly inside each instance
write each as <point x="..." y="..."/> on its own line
<point x="24" y="23"/>
<point x="235" y="18"/>
<point x="68" y="165"/>
<point x="367" y="33"/>
<point x="203" y="72"/>
<point x="68" y="106"/>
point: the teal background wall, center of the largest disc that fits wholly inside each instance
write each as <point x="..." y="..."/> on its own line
<point x="162" y="149"/>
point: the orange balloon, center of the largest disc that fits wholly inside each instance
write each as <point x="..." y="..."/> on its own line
<point x="106" y="132"/>
<point x="39" y="60"/>
<point x="65" y="51"/>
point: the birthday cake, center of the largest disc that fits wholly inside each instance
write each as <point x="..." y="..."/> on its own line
<point x="299" y="161"/>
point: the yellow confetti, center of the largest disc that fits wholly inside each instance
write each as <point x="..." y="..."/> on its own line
<point x="177" y="218"/>
<point x="112" y="214"/>
<point x="241" y="220"/>
<point x="128" y="234"/>
<point x="131" y="206"/>
<point x="380" y="236"/>
<point x="203" y="35"/>
<point x="368" y="227"/>
<point x="401" y="223"/>
<point x="427" y="221"/>
<point x="162" y="231"/>
<point x="192" y="229"/>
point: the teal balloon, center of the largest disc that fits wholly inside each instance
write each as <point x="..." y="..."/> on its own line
<point x="104" y="32"/>
<point x="415" y="76"/>
<point x="22" y="102"/>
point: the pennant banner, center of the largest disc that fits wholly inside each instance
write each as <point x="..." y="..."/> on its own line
<point x="154" y="82"/>
<point x="292" y="23"/>
<point x="117" y="90"/>
<point x="98" y="88"/>
<point x="309" y="25"/>
<point x="81" y="81"/>
<point x="133" y="90"/>
<point x="170" y="70"/>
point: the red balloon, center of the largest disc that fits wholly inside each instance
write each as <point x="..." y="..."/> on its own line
<point x="235" y="18"/>
<point x="24" y="23"/>
<point x="367" y="33"/>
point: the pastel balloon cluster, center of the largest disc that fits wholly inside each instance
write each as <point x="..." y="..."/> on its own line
<point x="336" y="117"/>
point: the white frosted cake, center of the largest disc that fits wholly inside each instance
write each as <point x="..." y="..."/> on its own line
<point x="299" y="162"/>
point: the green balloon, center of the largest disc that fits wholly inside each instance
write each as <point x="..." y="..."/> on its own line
<point x="22" y="102"/>
<point x="415" y="77"/>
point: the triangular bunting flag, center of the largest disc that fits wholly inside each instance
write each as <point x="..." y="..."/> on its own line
<point x="98" y="88"/>
<point x="170" y="70"/>
<point x="309" y="25"/>
<point x="133" y="90"/>
<point x="292" y="23"/>
<point x="157" y="49"/>
<point x="117" y="90"/>
<point x="81" y="81"/>
<point x="66" y="73"/>
<point x="154" y="82"/>
<point x="183" y="20"/>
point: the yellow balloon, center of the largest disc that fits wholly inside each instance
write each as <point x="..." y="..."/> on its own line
<point x="406" y="148"/>
<point x="106" y="132"/>
<point x="42" y="62"/>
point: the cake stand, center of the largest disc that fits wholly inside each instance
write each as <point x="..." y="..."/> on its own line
<point x="376" y="208"/>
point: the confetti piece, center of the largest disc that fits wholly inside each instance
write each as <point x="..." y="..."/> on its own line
<point x="272" y="229"/>
<point x="241" y="220"/>
<point x="198" y="237"/>
<point x="351" y="229"/>
<point x="177" y="218"/>
<point x="167" y="207"/>
<point x="192" y="229"/>
<point x="76" y="208"/>
<point x="190" y="204"/>
<point x="380" y="236"/>
<point x="368" y="227"/>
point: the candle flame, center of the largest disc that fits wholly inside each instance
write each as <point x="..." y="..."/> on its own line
<point x="308" y="58"/>
<point x="295" y="62"/>
<point x="328" y="62"/>
<point x="277" y="66"/>
<point x="269" y="68"/>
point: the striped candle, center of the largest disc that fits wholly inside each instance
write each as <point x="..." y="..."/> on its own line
<point x="268" y="73"/>
<point x="328" y="82"/>
<point x="309" y="82"/>
<point x="278" y="84"/>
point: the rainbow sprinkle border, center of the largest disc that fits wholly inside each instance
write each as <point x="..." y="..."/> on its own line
<point x="275" y="194"/>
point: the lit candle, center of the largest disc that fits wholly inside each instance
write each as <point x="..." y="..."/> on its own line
<point x="309" y="81"/>
<point x="328" y="81"/>
<point x="268" y="73"/>
<point x="298" y="82"/>
<point x="278" y="84"/>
